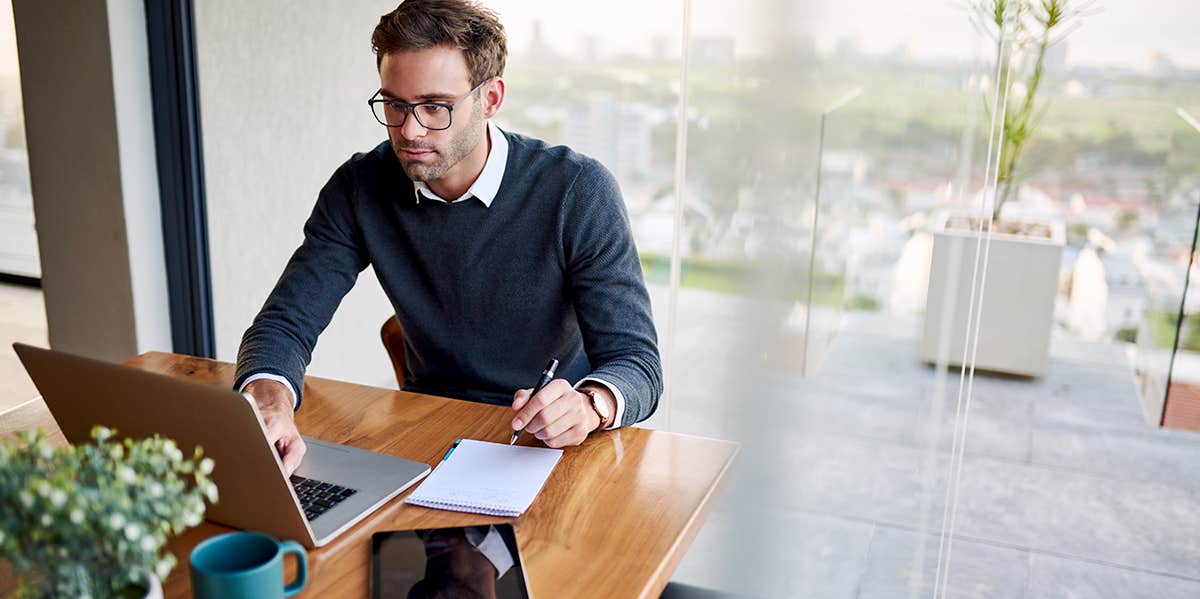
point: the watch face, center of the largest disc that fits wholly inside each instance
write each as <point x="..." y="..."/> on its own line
<point x="600" y="407"/>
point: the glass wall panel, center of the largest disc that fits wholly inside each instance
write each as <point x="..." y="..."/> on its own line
<point x="828" y="139"/>
<point x="1175" y="380"/>
<point x="18" y="239"/>
<point x="22" y="310"/>
<point x="811" y="187"/>
<point x="1068" y="471"/>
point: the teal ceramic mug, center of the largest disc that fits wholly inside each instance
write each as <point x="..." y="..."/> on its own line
<point x="245" y="565"/>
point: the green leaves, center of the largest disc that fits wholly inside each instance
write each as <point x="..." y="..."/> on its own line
<point x="93" y="519"/>
<point x="1024" y="30"/>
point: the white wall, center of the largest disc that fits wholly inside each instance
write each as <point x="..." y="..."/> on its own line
<point x="283" y="97"/>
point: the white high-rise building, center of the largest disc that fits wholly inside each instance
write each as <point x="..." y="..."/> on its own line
<point x="618" y="135"/>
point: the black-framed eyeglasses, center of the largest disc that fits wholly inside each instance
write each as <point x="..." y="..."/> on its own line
<point x="434" y="116"/>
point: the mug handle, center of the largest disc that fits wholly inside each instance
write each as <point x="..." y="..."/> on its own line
<point x="301" y="567"/>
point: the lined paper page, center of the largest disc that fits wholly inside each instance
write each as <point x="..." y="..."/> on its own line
<point x="487" y="478"/>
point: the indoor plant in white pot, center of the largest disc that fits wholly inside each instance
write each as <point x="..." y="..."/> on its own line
<point x="91" y="520"/>
<point x="1016" y="309"/>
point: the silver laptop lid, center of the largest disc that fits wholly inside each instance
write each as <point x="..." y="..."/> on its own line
<point x="254" y="494"/>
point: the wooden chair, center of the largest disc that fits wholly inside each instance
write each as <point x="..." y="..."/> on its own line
<point x="393" y="341"/>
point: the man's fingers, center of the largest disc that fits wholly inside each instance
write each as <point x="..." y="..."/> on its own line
<point x="571" y="437"/>
<point x="275" y="430"/>
<point x="292" y="453"/>
<point x="519" y="399"/>
<point x="529" y="408"/>
<point x="529" y="415"/>
<point x="279" y="427"/>
<point x="557" y="409"/>
<point x="567" y="417"/>
<point x="282" y="433"/>
<point x="279" y="421"/>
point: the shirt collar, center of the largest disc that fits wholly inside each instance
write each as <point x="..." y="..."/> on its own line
<point x="487" y="184"/>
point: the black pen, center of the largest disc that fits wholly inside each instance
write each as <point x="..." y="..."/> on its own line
<point x="547" y="376"/>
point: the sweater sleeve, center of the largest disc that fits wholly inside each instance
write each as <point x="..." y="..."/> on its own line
<point x="319" y="274"/>
<point x="604" y="276"/>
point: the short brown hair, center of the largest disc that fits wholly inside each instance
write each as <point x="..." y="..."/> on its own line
<point x="462" y="24"/>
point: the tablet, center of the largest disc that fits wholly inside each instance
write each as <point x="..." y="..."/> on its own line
<point x="471" y="561"/>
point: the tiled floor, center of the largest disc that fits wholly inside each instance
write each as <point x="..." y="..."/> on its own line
<point x="1063" y="491"/>
<point x="22" y="318"/>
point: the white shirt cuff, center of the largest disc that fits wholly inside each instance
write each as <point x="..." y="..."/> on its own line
<point x="492" y="547"/>
<point x="616" y="423"/>
<point x="270" y="377"/>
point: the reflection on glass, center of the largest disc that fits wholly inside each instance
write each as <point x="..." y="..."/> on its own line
<point x="466" y="562"/>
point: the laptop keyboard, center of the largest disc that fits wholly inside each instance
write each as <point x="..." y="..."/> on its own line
<point x="318" y="497"/>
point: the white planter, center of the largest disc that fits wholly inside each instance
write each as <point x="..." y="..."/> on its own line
<point x="1018" y="299"/>
<point x="155" y="591"/>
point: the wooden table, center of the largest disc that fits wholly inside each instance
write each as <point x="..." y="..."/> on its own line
<point x="614" y="520"/>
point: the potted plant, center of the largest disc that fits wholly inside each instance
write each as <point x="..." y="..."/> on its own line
<point x="91" y="520"/>
<point x="1016" y="310"/>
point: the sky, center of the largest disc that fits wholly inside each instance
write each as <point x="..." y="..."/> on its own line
<point x="1123" y="33"/>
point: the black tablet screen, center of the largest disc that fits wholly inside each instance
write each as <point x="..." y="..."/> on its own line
<point x="452" y="563"/>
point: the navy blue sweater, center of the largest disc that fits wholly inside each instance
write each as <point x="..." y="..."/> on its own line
<point x="485" y="295"/>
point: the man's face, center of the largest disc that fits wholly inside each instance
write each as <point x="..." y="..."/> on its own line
<point x="432" y="75"/>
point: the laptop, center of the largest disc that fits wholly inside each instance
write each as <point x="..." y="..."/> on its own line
<point x="334" y="487"/>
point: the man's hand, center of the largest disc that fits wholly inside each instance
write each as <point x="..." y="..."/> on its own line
<point x="558" y="415"/>
<point x="275" y="404"/>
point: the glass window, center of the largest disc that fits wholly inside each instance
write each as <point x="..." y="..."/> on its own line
<point x="933" y="395"/>
<point x="22" y="312"/>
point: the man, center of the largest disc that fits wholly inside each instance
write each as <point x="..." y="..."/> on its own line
<point x="497" y="251"/>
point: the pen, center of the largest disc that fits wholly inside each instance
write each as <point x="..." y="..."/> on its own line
<point x="452" y="448"/>
<point x="547" y="376"/>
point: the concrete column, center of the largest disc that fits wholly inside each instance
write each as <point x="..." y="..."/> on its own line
<point x="90" y="133"/>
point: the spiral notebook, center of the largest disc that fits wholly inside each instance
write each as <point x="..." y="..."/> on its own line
<point x="487" y="478"/>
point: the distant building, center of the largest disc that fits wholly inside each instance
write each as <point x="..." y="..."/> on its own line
<point x="871" y="278"/>
<point x="1089" y="296"/>
<point x="1126" y="295"/>
<point x="911" y="275"/>
<point x="846" y="165"/>
<point x="1159" y="66"/>
<point x="618" y="135"/>
<point x="712" y="50"/>
<point x="538" y="47"/>
<point x="590" y="48"/>
<point x="1056" y="58"/>
<point x="663" y="47"/>
<point x="847" y="49"/>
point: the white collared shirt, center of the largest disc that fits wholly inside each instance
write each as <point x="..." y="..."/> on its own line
<point x="485" y="187"/>
<point x="487" y="184"/>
